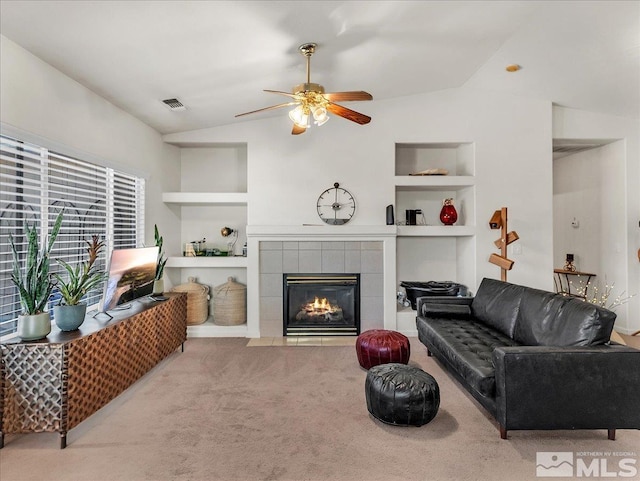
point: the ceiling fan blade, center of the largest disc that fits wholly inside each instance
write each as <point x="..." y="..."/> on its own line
<point x="280" y="92"/>
<point x="297" y="130"/>
<point x="348" y="96"/>
<point x="349" y="114"/>
<point x="267" y="108"/>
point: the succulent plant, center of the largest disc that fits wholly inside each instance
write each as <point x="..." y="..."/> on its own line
<point x="162" y="260"/>
<point x="31" y="277"/>
<point x="82" y="277"/>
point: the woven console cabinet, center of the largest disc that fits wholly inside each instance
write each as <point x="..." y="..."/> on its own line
<point x="54" y="384"/>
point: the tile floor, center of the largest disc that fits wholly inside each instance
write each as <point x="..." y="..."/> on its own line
<point x="302" y="341"/>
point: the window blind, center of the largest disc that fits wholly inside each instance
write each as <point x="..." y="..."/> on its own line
<point x="35" y="185"/>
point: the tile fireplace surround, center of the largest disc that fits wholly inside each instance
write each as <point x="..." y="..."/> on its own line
<point x="367" y="250"/>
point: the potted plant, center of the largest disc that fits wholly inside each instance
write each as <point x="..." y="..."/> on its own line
<point x="158" y="283"/>
<point x="31" y="277"/>
<point x="69" y="314"/>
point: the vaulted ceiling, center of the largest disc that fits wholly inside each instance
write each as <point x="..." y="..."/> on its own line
<point x="218" y="56"/>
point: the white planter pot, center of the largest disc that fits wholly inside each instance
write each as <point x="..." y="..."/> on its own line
<point x="158" y="286"/>
<point x="35" y="326"/>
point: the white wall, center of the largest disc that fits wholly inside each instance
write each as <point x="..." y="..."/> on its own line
<point x="41" y="101"/>
<point x="617" y="234"/>
<point x="586" y="187"/>
<point x="511" y="134"/>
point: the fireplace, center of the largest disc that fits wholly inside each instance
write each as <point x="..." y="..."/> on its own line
<point x="321" y="304"/>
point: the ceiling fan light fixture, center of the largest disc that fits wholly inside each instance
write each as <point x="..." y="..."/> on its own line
<point x="320" y="116"/>
<point x="310" y="100"/>
<point x="300" y="116"/>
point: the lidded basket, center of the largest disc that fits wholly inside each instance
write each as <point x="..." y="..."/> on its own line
<point x="197" y="301"/>
<point x="230" y="303"/>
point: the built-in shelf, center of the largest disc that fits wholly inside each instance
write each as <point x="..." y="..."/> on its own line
<point x="436" y="230"/>
<point x="205" y="198"/>
<point x="203" y="261"/>
<point x="406" y="320"/>
<point x="209" y="329"/>
<point x="434" y="251"/>
<point x="433" y="182"/>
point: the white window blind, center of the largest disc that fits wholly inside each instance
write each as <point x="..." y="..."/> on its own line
<point x="35" y="185"/>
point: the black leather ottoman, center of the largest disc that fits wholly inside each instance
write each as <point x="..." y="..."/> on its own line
<point x="401" y="395"/>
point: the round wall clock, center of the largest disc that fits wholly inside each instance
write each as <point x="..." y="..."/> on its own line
<point x="336" y="205"/>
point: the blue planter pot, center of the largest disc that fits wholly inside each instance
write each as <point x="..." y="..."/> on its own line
<point x="69" y="318"/>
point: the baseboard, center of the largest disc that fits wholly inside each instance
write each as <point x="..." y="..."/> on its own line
<point x="409" y="332"/>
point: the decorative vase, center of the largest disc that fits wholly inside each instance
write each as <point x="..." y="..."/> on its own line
<point x="69" y="318"/>
<point x="158" y="286"/>
<point x="34" y="326"/>
<point x="448" y="214"/>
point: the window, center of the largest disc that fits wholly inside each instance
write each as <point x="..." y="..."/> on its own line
<point x="35" y="184"/>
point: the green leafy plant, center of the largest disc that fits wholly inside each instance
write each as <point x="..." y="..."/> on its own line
<point x="82" y="277"/>
<point x="162" y="260"/>
<point x="32" y="279"/>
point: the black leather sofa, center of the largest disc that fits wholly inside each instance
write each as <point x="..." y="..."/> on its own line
<point x="534" y="359"/>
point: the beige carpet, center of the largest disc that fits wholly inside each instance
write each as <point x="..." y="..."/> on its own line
<point x="224" y="411"/>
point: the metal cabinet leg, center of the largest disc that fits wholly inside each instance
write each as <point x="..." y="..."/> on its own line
<point x="63" y="440"/>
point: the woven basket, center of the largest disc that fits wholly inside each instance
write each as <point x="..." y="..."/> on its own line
<point x="230" y="303"/>
<point x="197" y="301"/>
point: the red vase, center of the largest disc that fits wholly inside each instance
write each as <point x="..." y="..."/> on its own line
<point x="448" y="214"/>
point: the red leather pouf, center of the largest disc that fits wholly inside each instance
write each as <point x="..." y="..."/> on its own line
<point x="379" y="346"/>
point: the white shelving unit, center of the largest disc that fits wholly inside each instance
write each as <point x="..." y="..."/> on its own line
<point x="434" y="251"/>
<point x="433" y="182"/>
<point x="207" y="262"/>
<point x="209" y="329"/>
<point x="436" y="231"/>
<point x="213" y="195"/>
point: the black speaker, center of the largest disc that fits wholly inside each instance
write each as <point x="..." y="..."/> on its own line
<point x="411" y="216"/>
<point x="390" y="219"/>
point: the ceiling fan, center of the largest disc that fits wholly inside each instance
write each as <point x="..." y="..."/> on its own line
<point x="312" y="102"/>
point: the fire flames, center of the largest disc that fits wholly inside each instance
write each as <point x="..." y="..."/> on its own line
<point x="320" y="306"/>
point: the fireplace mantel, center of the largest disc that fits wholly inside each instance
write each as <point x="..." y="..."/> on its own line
<point x="383" y="234"/>
<point x="321" y="231"/>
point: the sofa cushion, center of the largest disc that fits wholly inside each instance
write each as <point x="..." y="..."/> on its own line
<point x="496" y="304"/>
<point x="467" y="346"/>
<point x="537" y="320"/>
<point x="548" y="319"/>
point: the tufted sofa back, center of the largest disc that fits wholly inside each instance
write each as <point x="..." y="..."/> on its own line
<point x="496" y="304"/>
<point x="535" y="317"/>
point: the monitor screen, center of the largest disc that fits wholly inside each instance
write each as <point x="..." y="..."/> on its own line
<point x="131" y="275"/>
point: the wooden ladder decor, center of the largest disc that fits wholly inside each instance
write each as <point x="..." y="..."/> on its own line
<point x="499" y="221"/>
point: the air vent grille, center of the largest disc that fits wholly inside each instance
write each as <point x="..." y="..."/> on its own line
<point x="174" y="104"/>
<point x="572" y="149"/>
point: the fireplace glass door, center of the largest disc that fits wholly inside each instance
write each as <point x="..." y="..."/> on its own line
<point x="321" y="304"/>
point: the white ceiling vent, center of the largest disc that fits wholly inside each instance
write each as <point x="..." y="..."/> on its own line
<point x="174" y="104"/>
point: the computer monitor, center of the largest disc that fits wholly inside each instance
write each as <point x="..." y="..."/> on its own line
<point x="131" y="275"/>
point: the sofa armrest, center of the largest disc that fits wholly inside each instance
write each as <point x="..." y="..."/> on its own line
<point x="541" y="387"/>
<point x="444" y="307"/>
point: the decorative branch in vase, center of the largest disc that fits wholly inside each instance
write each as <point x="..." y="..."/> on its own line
<point x="601" y="297"/>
